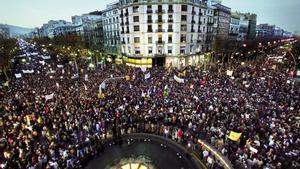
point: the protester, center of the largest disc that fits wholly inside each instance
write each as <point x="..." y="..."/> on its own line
<point x="55" y="117"/>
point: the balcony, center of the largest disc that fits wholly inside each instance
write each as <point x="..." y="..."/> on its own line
<point x="193" y="21"/>
<point x="160" y="30"/>
<point x="150" y="30"/>
<point x="170" y="20"/>
<point x="160" y="42"/>
<point x="127" y="31"/>
<point x="170" y="11"/>
<point x="126" y="23"/>
<point x="170" y="30"/>
<point x="193" y="12"/>
<point x="123" y="42"/>
<point x="122" y="32"/>
<point x="122" y="23"/>
<point x="149" y="11"/>
<point x="199" y="41"/>
<point x="160" y="11"/>
<point x="160" y="21"/>
<point x="126" y="14"/>
<point x="121" y="15"/>
<point x="193" y="30"/>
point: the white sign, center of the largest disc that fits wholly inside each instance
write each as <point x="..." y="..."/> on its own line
<point x="49" y="97"/>
<point x="253" y="149"/>
<point x="144" y="69"/>
<point x="229" y="72"/>
<point x="60" y="66"/>
<point x="18" y="75"/>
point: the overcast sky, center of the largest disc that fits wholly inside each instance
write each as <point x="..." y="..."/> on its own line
<point x="33" y="13"/>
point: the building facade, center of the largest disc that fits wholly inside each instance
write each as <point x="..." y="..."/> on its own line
<point x="111" y="29"/>
<point x="170" y="33"/>
<point x="55" y="28"/>
<point x="234" y="28"/>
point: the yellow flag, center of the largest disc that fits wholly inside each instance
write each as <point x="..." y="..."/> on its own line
<point x="39" y="120"/>
<point x="234" y="136"/>
<point x="127" y="77"/>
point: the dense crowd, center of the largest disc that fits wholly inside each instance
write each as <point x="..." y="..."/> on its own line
<point x="258" y="100"/>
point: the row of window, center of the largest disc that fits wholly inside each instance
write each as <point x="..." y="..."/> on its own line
<point x="160" y="50"/>
<point x="183" y="39"/>
<point x="183" y="27"/>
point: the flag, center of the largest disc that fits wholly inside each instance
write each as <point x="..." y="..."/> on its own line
<point x="144" y="69"/>
<point x="6" y="84"/>
<point x="85" y="88"/>
<point x="18" y="75"/>
<point x="179" y="80"/>
<point x="234" y="136"/>
<point x="166" y="91"/>
<point x="147" y="76"/>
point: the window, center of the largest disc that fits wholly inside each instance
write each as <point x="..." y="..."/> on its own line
<point x="183" y="18"/>
<point x="149" y="17"/>
<point x="136" y="28"/>
<point x="182" y="38"/>
<point x="184" y="8"/>
<point x="129" y="49"/>
<point x="128" y="40"/>
<point x="135" y="9"/>
<point x="159" y="7"/>
<point x="149" y="39"/>
<point x="183" y="28"/>
<point x="136" y="39"/>
<point x="149" y="28"/>
<point x="136" y="19"/>
<point x="170" y="8"/>
<point x="170" y="28"/>
<point x="169" y="49"/>
<point x="170" y="39"/>
<point x="182" y="50"/>
<point x="150" y="50"/>
<point x="137" y="50"/>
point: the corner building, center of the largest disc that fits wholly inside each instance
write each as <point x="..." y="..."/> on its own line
<point x="162" y="32"/>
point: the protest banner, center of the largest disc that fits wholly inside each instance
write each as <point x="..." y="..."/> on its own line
<point x="179" y="80"/>
<point x="148" y="75"/>
<point x="234" y="136"/>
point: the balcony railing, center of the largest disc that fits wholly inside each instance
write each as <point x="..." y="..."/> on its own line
<point x="122" y="23"/>
<point x="193" y="21"/>
<point x="123" y="42"/>
<point x="160" y="30"/>
<point x="126" y="23"/>
<point x="170" y="11"/>
<point x="170" y="20"/>
<point x="170" y="30"/>
<point x="160" y="21"/>
<point x="122" y="32"/>
<point x="159" y="11"/>
<point x="127" y="31"/>
<point x="126" y="14"/>
<point x="193" y="12"/>
<point x="149" y="21"/>
<point x="193" y="30"/>
<point x="150" y="30"/>
<point x="160" y="42"/>
<point x="149" y="11"/>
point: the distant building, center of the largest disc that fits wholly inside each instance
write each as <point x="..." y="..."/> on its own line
<point x="222" y="18"/>
<point x="80" y="21"/>
<point x="264" y="30"/>
<point x="4" y="31"/>
<point x="234" y="29"/>
<point x="94" y="35"/>
<point x="111" y="28"/>
<point x="55" y="28"/>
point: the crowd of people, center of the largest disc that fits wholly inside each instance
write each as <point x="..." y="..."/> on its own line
<point x="51" y="118"/>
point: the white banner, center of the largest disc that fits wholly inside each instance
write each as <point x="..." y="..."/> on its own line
<point x="42" y="62"/>
<point x="49" y="97"/>
<point x="86" y="77"/>
<point x="46" y="57"/>
<point x="229" y="72"/>
<point x="60" y="66"/>
<point x="179" y="80"/>
<point x="148" y="75"/>
<point x="18" y="75"/>
<point x="75" y="76"/>
<point x="28" y="71"/>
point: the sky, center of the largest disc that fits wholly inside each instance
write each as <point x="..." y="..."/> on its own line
<point x="33" y="13"/>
